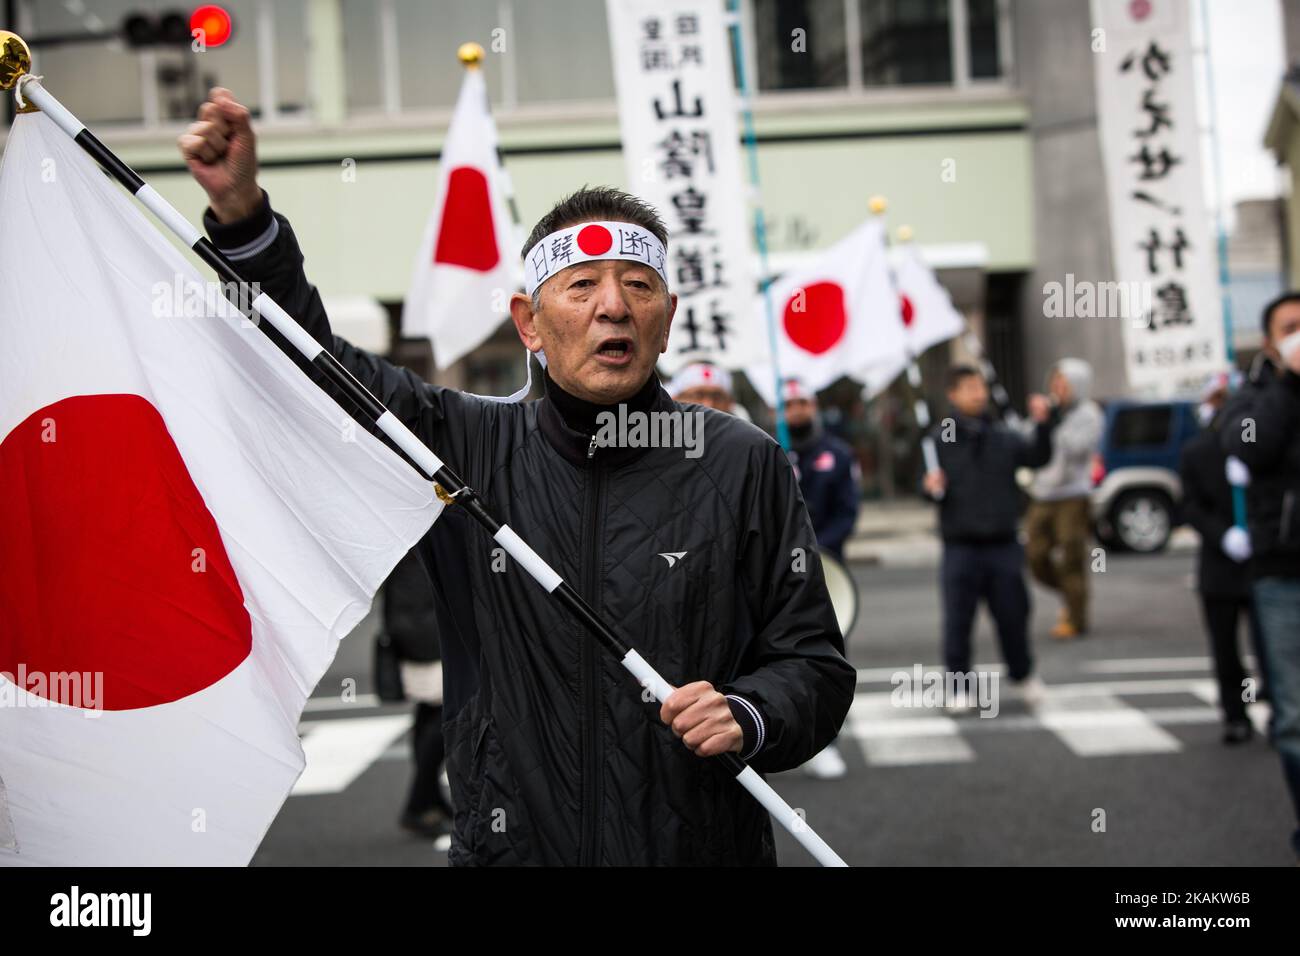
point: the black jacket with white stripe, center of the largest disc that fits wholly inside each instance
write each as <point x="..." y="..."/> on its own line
<point x="706" y="565"/>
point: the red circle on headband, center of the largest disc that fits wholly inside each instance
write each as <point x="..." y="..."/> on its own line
<point x="595" y="240"/>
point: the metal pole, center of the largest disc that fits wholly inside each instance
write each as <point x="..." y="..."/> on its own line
<point x="760" y="226"/>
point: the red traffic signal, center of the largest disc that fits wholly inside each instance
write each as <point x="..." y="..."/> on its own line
<point x="211" y="24"/>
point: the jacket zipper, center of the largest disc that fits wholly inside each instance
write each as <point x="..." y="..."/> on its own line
<point x="592" y="763"/>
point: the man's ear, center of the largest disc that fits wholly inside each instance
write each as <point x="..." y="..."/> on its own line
<point x="525" y="320"/>
<point x="672" y="311"/>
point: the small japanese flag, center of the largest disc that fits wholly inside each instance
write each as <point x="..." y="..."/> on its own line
<point x="837" y="316"/>
<point x="469" y="260"/>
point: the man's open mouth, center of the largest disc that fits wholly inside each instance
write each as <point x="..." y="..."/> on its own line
<point x="615" y="348"/>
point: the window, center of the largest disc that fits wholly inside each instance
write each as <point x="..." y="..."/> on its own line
<point x="423" y="70"/>
<point x="561" y="51"/>
<point x="905" y="42"/>
<point x="982" y="35"/>
<point x="236" y="63"/>
<point x="429" y="33"/>
<point x="1143" y="426"/>
<point x="800" y="44"/>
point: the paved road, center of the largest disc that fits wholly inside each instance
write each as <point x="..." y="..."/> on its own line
<point x="1128" y="729"/>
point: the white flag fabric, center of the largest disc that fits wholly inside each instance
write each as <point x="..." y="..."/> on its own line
<point x="469" y="263"/>
<point x="187" y="529"/>
<point x="926" y="308"/>
<point x="927" y="314"/>
<point x="835" y="317"/>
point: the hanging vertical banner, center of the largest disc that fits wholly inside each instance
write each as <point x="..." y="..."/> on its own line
<point x="1161" y="238"/>
<point x="677" y="114"/>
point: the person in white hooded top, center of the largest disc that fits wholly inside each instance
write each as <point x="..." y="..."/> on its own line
<point x="1058" y="520"/>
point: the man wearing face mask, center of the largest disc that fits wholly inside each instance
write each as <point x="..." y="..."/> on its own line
<point x="1222" y="578"/>
<point x="830" y="480"/>
<point x="828" y="473"/>
<point x="553" y="755"/>
<point x="1261" y="429"/>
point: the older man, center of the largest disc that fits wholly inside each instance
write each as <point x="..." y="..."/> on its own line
<point x="706" y="561"/>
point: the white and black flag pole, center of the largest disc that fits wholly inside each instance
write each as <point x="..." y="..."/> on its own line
<point x="15" y="64"/>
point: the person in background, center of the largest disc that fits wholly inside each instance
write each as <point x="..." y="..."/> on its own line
<point x="1261" y="429"/>
<point x="828" y="473"/>
<point x="1059" y="519"/>
<point x="1222" y="577"/>
<point x="702" y="383"/>
<point x="410" y="624"/>
<point x="979" y="514"/>
<point x="830" y="482"/>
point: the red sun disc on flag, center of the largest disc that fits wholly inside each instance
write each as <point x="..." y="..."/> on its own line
<point x="906" y="309"/>
<point x="113" y="564"/>
<point x="815" y="317"/>
<point x="467" y="235"/>
<point x="595" y="240"/>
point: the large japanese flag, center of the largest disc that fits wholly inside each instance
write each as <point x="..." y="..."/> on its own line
<point x="926" y="312"/>
<point x="188" y="526"/>
<point x="469" y="261"/>
<point x="837" y="316"/>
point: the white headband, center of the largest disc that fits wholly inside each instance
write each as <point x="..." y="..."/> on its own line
<point x="589" y="241"/>
<point x="699" y="375"/>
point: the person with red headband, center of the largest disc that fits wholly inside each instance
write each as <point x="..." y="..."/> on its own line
<point x="553" y="754"/>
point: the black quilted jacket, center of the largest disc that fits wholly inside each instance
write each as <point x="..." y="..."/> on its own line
<point x="552" y="754"/>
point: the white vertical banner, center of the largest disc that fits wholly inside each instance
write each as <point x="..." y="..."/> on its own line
<point x="677" y="113"/>
<point x="1161" y="238"/>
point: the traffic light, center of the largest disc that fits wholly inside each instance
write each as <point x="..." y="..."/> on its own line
<point x="210" y="23"/>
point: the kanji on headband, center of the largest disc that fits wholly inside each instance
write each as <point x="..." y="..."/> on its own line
<point x="589" y="241"/>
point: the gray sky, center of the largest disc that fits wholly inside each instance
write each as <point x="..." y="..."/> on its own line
<point x="1247" y="58"/>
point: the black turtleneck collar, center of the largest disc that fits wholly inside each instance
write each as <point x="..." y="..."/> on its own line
<point x="580" y="414"/>
<point x="569" y="422"/>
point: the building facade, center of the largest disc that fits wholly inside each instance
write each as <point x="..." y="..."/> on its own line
<point x="974" y="118"/>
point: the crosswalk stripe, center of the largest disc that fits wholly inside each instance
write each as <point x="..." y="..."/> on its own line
<point x="1134" y="665"/>
<point x="1121" y="665"/>
<point x="317" y="704"/>
<point x="889" y="739"/>
<point x="1102" y="725"/>
<point x="1088" y="717"/>
<point x="339" y="751"/>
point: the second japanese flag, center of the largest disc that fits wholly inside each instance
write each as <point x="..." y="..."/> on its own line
<point x="837" y="316"/>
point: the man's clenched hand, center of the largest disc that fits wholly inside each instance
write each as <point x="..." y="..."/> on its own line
<point x="221" y="152"/>
<point x="702" y="718"/>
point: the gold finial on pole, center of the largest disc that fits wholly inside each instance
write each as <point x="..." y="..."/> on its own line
<point x="877" y="205"/>
<point x="470" y="55"/>
<point x="904" y="233"/>
<point x="15" y="59"/>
